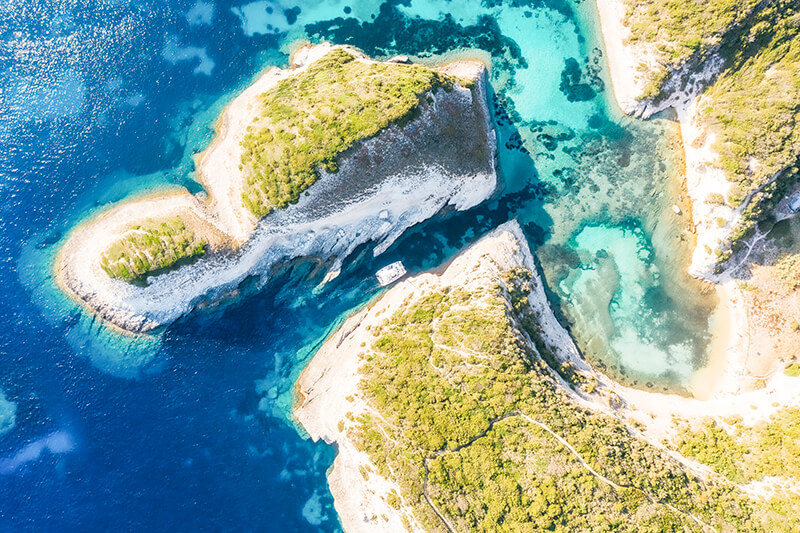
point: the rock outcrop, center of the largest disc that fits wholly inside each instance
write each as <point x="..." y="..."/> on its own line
<point x="384" y="185"/>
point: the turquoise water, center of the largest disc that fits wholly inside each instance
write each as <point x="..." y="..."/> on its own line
<point x="191" y="429"/>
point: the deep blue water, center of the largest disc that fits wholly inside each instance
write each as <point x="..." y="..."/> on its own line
<point x="191" y="431"/>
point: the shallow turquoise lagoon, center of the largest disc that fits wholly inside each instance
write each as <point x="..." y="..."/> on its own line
<point x="191" y="429"/>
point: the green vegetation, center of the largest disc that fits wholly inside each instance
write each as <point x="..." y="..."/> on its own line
<point x="453" y="377"/>
<point x="529" y="480"/>
<point x="744" y="454"/>
<point x="753" y="109"/>
<point x="151" y="248"/>
<point x="311" y="118"/>
<point x="792" y="370"/>
<point x="754" y="103"/>
<point x="788" y="268"/>
<point x="682" y="30"/>
<point x="752" y="106"/>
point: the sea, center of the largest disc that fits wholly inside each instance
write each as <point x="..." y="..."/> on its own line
<point x="191" y="429"/>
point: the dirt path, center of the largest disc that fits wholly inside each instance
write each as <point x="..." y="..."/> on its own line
<point x="567" y="445"/>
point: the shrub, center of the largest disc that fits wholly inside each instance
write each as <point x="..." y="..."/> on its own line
<point x="309" y="119"/>
<point x="151" y="247"/>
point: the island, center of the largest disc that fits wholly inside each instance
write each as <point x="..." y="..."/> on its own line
<point x="310" y="161"/>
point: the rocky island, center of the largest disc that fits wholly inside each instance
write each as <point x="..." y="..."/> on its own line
<point x="314" y="160"/>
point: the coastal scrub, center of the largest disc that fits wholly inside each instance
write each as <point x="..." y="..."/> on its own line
<point x="308" y="120"/>
<point x="470" y="421"/>
<point x="744" y="454"/>
<point x="152" y="247"/>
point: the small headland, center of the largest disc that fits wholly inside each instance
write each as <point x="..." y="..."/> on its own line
<point x="312" y="160"/>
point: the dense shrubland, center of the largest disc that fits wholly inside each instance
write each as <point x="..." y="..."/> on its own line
<point x="682" y="31"/>
<point x="743" y="453"/>
<point x="152" y="247"/>
<point x="788" y="268"/>
<point x="449" y="376"/>
<point x="310" y="118"/>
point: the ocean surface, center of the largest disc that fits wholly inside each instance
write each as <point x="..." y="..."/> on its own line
<point x="191" y="430"/>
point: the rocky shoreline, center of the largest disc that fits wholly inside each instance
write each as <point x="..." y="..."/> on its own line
<point x="384" y="185"/>
<point x="328" y="389"/>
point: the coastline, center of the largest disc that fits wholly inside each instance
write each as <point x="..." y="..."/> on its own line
<point x="725" y="373"/>
<point x="329" y="405"/>
<point x="623" y="59"/>
<point x="322" y="408"/>
<point x="94" y="235"/>
<point x="339" y="213"/>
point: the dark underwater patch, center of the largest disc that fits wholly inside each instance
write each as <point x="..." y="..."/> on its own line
<point x="571" y="85"/>
<point x="291" y="14"/>
<point x="420" y="37"/>
<point x="582" y="84"/>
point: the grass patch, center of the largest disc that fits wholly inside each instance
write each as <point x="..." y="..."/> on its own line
<point x="151" y="248"/>
<point x="309" y="119"/>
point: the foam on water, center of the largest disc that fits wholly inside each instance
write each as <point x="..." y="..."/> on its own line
<point x="57" y="443"/>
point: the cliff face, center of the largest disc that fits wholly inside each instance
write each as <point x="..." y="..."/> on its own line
<point x="384" y="184"/>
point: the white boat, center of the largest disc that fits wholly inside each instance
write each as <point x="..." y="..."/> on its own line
<point x="390" y="273"/>
<point x="794" y="203"/>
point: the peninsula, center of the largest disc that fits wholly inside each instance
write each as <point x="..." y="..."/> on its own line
<point x="313" y="160"/>
<point x="458" y="403"/>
